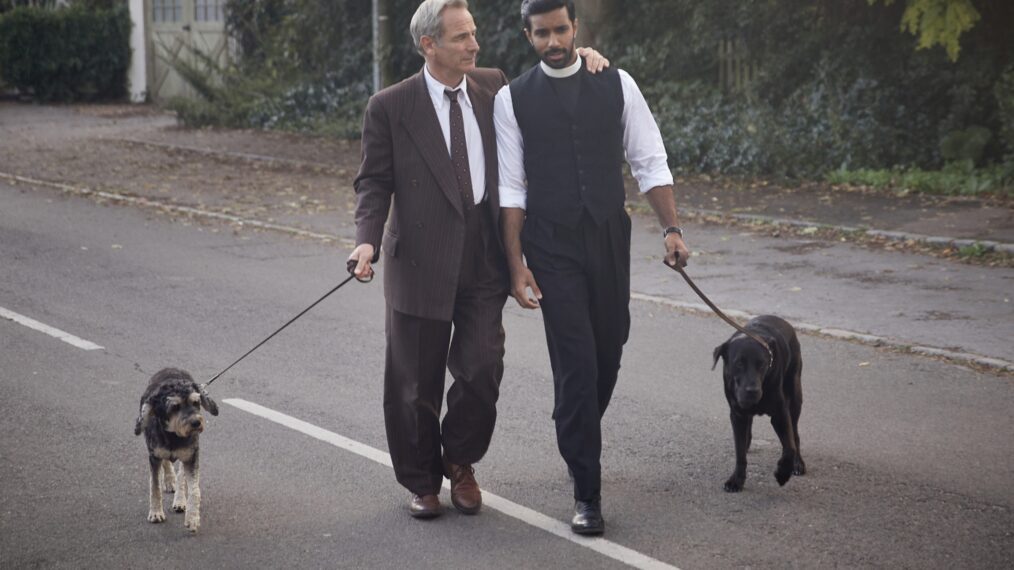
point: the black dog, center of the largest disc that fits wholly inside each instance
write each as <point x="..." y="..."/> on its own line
<point x="171" y="420"/>
<point x="757" y="383"/>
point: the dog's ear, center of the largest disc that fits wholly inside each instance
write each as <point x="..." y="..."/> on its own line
<point x="721" y="351"/>
<point x="142" y="418"/>
<point x="206" y="402"/>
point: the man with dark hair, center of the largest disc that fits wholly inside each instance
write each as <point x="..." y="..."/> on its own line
<point x="562" y="135"/>
<point x="429" y="173"/>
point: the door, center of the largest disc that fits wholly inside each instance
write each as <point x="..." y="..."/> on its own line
<point x="176" y="27"/>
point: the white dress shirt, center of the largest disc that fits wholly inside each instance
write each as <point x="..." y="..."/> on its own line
<point x="642" y="141"/>
<point x="473" y="138"/>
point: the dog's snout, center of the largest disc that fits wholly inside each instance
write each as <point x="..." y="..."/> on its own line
<point x="196" y="423"/>
<point x="749" y="396"/>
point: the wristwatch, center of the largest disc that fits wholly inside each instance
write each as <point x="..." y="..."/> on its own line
<point x="672" y="230"/>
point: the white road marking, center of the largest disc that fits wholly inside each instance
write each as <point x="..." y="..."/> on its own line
<point x="490" y="500"/>
<point x="53" y="332"/>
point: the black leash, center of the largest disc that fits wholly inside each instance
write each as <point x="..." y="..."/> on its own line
<point x="734" y="324"/>
<point x="350" y="266"/>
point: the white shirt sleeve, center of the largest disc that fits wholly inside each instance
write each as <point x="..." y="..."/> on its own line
<point x="642" y="139"/>
<point x="510" y="151"/>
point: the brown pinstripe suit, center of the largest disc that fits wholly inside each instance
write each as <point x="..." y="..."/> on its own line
<point x="443" y="268"/>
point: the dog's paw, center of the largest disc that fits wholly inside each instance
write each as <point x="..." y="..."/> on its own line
<point x="168" y="486"/>
<point x="179" y="504"/>
<point x="733" y="485"/>
<point x="192" y="524"/>
<point x="156" y="517"/>
<point x="782" y="474"/>
<point x="800" y="468"/>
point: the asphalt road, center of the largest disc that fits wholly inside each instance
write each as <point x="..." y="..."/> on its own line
<point x="910" y="459"/>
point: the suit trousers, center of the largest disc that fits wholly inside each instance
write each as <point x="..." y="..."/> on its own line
<point x="470" y="346"/>
<point x="584" y="275"/>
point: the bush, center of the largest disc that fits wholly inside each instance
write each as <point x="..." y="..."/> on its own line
<point x="69" y="54"/>
<point x="965" y="145"/>
<point x="957" y="178"/>
<point x="1004" y="93"/>
<point x="838" y="85"/>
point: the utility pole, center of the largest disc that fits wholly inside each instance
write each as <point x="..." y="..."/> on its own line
<point x="382" y="72"/>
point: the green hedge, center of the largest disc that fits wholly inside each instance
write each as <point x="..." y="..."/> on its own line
<point x="68" y="54"/>
<point x="839" y="87"/>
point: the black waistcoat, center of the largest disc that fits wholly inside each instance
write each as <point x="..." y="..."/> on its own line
<point x="573" y="159"/>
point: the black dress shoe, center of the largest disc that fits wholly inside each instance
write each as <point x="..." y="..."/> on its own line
<point x="588" y="518"/>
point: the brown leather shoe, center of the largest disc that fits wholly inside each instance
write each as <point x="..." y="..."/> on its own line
<point x="465" y="494"/>
<point x="425" y="506"/>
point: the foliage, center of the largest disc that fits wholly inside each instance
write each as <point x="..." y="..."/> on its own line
<point x="1004" y="93"/>
<point x="965" y="145"/>
<point x="76" y="53"/>
<point x="8" y="5"/>
<point x="938" y="22"/>
<point x="976" y="250"/>
<point x="838" y="87"/>
<point x="958" y="178"/>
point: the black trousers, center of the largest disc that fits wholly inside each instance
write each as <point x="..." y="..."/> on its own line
<point x="471" y="347"/>
<point x="584" y="275"/>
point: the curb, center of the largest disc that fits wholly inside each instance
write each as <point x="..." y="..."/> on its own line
<point x="938" y="241"/>
<point x="695" y="308"/>
<point x="841" y="334"/>
<point x="249" y="157"/>
<point x="166" y="206"/>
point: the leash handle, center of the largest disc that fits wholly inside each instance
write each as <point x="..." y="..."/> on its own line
<point x="350" y="266"/>
<point x="707" y="301"/>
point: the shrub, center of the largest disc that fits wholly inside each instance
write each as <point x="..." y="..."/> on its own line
<point x="965" y="145"/>
<point x="957" y="178"/>
<point x="69" y="54"/>
<point x="1004" y="93"/>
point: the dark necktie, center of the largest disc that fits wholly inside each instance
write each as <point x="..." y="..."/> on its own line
<point x="459" y="151"/>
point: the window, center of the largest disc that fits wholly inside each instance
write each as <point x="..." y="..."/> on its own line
<point x="208" y="10"/>
<point x="167" y="10"/>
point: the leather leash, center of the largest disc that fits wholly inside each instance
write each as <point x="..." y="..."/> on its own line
<point x="351" y="265"/>
<point x="707" y="301"/>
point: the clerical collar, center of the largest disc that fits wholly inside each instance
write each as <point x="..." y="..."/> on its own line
<point x="565" y="72"/>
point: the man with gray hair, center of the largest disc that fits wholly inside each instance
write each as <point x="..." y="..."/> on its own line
<point x="429" y="171"/>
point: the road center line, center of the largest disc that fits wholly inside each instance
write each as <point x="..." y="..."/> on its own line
<point x="44" y="328"/>
<point x="511" y="509"/>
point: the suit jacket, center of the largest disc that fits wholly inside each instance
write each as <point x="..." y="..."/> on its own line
<point x="407" y="181"/>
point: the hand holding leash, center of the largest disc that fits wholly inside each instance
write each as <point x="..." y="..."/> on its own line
<point x="676" y="249"/>
<point x="361" y="262"/>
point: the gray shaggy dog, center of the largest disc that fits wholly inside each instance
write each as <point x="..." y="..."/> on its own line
<point x="171" y="419"/>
